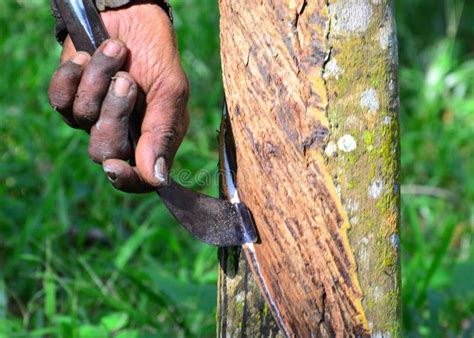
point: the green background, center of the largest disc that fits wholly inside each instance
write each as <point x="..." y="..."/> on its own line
<point x="78" y="259"/>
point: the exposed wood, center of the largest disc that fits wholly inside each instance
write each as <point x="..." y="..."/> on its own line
<point x="312" y="95"/>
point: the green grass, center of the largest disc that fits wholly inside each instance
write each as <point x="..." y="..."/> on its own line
<point x="144" y="276"/>
<point x="144" y="273"/>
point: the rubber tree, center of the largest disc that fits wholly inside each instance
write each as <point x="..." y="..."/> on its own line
<point x="312" y="95"/>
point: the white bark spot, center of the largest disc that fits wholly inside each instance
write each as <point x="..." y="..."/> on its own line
<point x="331" y="149"/>
<point x="240" y="297"/>
<point x="381" y="334"/>
<point x="384" y="37"/>
<point x="376" y="189"/>
<point x="332" y="69"/>
<point x="369" y="100"/>
<point x="391" y="85"/>
<point x="363" y="253"/>
<point x="387" y="36"/>
<point x="347" y="143"/>
<point x="351" y="16"/>
<point x="387" y="120"/>
<point x="378" y="294"/>
<point x="352" y="205"/>
<point x="395" y="241"/>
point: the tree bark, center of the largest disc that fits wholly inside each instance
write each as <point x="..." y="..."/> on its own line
<point x="312" y="94"/>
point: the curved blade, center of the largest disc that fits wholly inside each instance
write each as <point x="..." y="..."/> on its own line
<point x="213" y="221"/>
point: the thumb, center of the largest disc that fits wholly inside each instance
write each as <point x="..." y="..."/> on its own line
<point x="164" y="125"/>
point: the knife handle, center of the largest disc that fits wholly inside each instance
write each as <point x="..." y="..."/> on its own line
<point x="83" y="24"/>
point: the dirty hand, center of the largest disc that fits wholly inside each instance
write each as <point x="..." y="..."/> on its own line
<point x="92" y="94"/>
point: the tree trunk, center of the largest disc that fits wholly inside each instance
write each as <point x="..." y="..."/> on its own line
<point x="312" y="94"/>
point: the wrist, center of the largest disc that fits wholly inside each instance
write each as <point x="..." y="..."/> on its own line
<point x="132" y="23"/>
<point x="103" y="5"/>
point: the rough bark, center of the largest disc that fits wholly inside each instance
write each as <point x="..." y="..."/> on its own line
<point x="312" y="93"/>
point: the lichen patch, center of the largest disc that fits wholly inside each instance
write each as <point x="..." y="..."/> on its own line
<point x="331" y="149"/>
<point x="352" y="16"/>
<point x="369" y="100"/>
<point x="376" y="189"/>
<point x="384" y="37"/>
<point x="347" y="144"/>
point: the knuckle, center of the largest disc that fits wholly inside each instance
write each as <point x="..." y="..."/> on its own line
<point x="117" y="108"/>
<point x="176" y="88"/>
<point x="167" y="133"/>
<point x="62" y="88"/>
<point x="105" y="148"/>
<point x="165" y="136"/>
<point x="96" y="154"/>
<point x="68" y="72"/>
<point x="103" y="66"/>
<point x="86" y="110"/>
<point x="59" y="101"/>
<point x="182" y="89"/>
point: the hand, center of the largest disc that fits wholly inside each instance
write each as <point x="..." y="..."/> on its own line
<point x="92" y="94"/>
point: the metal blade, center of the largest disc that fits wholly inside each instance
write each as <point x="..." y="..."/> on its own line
<point x="213" y="221"/>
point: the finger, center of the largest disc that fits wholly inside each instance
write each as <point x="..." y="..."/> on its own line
<point x="125" y="177"/>
<point x="95" y="81"/>
<point x="63" y="87"/>
<point x="69" y="50"/>
<point x="110" y="135"/>
<point x="164" y="125"/>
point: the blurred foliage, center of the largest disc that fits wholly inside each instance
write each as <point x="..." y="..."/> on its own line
<point x="79" y="259"/>
<point x="436" y="45"/>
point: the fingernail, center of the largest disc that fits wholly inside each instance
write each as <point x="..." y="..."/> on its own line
<point x="121" y="86"/>
<point x="111" y="175"/>
<point x="80" y="59"/>
<point x="112" y="49"/>
<point x="161" y="170"/>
